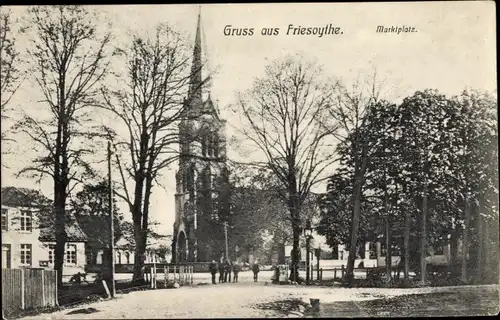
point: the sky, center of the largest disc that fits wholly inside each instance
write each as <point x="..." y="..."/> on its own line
<point x="452" y="49"/>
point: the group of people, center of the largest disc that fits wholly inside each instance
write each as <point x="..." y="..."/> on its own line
<point x="226" y="267"/>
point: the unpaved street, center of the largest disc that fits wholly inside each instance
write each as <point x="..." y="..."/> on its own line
<point x="224" y="300"/>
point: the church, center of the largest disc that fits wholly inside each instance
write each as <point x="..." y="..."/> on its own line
<point x="202" y="191"/>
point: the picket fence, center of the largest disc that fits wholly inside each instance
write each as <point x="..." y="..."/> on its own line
<point x="24" y="289"/>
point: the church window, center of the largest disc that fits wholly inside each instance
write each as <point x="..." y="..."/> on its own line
<point x="204" y="146"/>
<point x="190" y="179"/>
<point x="216" y="146"/>
<point x="210" y="146"/>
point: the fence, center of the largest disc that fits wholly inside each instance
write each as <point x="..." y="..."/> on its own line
<point x="24" y="289"/>
<point x="339" y="273"/>
<point x="171" y="274"/>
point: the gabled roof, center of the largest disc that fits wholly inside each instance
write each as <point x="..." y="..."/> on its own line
<point x="29" y="198"/>
<point x="23" y="197"/>
<point x="73" y="231"/>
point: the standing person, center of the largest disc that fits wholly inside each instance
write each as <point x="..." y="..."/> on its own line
<point x="236" y="270"/>
<point x="255" y="269"/>
<point x="221" y="271"/>
<point x="227" y="270"/>
<point x="213" y="270"/>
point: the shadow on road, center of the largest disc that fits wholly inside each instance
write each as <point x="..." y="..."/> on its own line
<point x="84" y="311"/>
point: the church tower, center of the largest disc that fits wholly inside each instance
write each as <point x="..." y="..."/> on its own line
<point x="201" y="199"/>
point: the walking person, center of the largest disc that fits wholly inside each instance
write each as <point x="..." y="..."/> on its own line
<point x="236" y="270"/>
<point x="221" y="271"/>
<point x="213" y="270"/>
<point x="255" y="269"/>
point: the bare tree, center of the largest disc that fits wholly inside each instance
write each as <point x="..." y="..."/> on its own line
<point x="9" y="58"/>
<point x="68" y="59"/>
<point x="281" y="116"/>
<point x="150" y="105"/>
<point x="350" y="110"/>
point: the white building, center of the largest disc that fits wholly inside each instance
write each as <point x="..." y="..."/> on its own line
<point x="28" y="235"/>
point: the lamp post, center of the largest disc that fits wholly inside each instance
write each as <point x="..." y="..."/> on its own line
<point x="112" y="227"/>
<point x="307" y="234"/>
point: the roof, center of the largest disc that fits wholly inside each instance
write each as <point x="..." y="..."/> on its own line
<point x="73" y="231"/>
<point x="23" y="197"/>
<point x="93" y="226"/>
<point x="29" y="198"/>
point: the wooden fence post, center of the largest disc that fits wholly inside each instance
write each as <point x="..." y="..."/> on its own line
<point x="43" y="288"/>
<point x="343" y="271"/>
<point x="155" y="275"/>
<point x="23" y="289"/>
<point x="57" y="298"/>
<point x="174" y="272"/>
<point x="105" y="285"/>
<point x="334" y="274"/>
<point x="165" y="271"/>
<point x="321" y="274"/>
<point x="151" y="277"/>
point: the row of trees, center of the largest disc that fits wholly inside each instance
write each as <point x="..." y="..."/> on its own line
<point x="430" y="179"/>
<point x="421" y="169"/>
<point x="70" y="58"/>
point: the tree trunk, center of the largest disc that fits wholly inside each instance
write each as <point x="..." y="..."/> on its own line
<point x="423" y="236"/>
<point x="140" y="250"/>
<point x="480" y="243"/>
<point x="486" y="245"/>
<point x="465" y="242"/>
<point x="407" y="246"/>
<point x="388" y="255"/>
<point x="354" y="231"/>
<point x="294" y="271"/>
<point x="61" y="235"/>
<point x="454" y="250"/>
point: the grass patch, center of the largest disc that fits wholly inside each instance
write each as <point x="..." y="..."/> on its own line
<point x="462" y="303"/>
<point x="283" y="307"/>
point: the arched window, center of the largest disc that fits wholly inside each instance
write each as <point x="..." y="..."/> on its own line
<point x="210" y="145"/>
<point x="204" y="146"/>
<point x="127" y="256"/>
<point x="216" y="146"/>
<point x="190" y="179"/>
<point x="119" y="257"/>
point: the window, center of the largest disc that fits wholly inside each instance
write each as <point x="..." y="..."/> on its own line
<point x="6" y="255"/>
<point x="204" y="146"/>
<point x="127" y="256"/>
<point x="373" y="250"/>
<point x="119" y="260"/>
<point x="216" y="147"/>
<point x="26" y="254"/>
<point x="5" y="220"/>
<point x="71" y="254"/>
<point x="52" y="249"/>
<point x="91" y="257"/>
<point x="210" y="146"/>
<point x="26" y="220"/>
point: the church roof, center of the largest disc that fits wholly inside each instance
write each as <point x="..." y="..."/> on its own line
<point x="199" y="87"/>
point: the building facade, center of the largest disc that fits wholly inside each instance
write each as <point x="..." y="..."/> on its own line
<point x="201" y="179"/>
<point x="29" y="242"/>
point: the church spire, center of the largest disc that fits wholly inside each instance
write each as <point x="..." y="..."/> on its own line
<point x="196" y="78"/>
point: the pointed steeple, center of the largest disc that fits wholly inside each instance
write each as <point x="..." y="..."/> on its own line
<point x="196" y="81"/>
